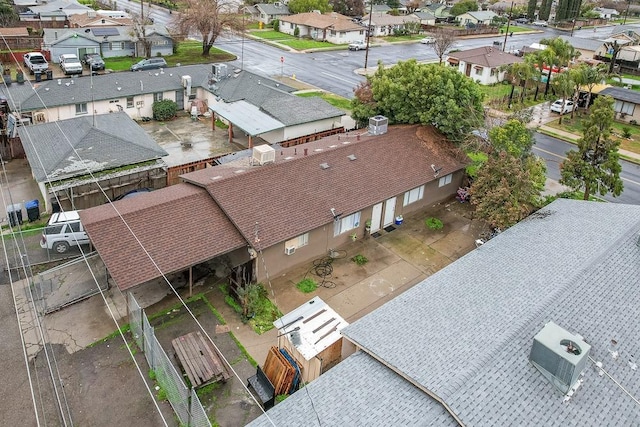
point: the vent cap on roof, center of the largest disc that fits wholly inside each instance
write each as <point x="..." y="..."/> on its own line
<point x="378" y="125"/>
<point x="559" y="355"/>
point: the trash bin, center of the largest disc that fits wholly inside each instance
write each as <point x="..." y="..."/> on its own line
<point x="15" y="214"/>
<point x="20" y="77"/>
<point x="33" y="210"/>
<point x="38" y="76"/>
<point x="399" y="220"/>
<point x="55" y="206"/>
<point x="49" y="75"/>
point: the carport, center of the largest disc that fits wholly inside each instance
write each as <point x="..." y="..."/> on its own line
<point x="245" y="116"/>
<point x="166" y="231"/>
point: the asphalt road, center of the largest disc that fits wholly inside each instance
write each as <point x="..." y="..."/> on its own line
<point x="553" y="151"/>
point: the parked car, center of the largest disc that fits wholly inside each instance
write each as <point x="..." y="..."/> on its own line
<point x="149" y="64"/>
<point x="357" y="45"/>
<point x="428" y="40"/>
<point x="523" y="21"/>
<point x="93" y="61"/>
<point x="70" y="64"/>
<point x="563" y="107"/>
<point x="541" y="24"/>
<point x="35" y="62"/>
<point x="63" y="230"/>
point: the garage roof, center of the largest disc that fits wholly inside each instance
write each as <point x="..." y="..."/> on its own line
<point x="247" y="117"/>
<point x="194" y="230"/>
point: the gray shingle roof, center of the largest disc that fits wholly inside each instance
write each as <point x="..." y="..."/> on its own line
<point x="67" y="148"/>
<point x="464" y="334"/>
<point x="53" y="36"/>
<point x="294" y="110"/>
<point x="622" y="94"/>
<point x="105" y="87"/>
<point x="273" y="8"/>
<point x="377" y="391"/>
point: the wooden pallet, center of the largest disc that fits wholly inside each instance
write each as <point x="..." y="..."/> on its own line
<point x="279" y="371"/>
<point x="199" y="359"/>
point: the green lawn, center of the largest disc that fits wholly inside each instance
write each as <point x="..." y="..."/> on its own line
<point x="514" y="29"/>
<point x="575" y="126"/>
<point x="271" y="35"/>
<point x="188" y="52"/>
<point x="302" y="44"/>
<point x="335" y="100"/>
<point x="496" y="91"/>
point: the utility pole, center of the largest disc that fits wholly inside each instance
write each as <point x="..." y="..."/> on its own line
<point x="626" y="12"/>
<point x="506" y="33"/>
<point x="366" y="54"/>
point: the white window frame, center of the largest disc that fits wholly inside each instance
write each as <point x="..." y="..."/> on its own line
<point x="158" y="96"/>
<point x="81" y="109"/>
<point x="297" y="242"/>
<point x="130" y="102"/>
<point x="346" y="224"/>
<point x="445" y="180"/>
<point x="624" y="107"/>
<point x="413" y="196"/>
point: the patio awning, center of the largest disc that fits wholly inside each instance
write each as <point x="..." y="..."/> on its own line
<point x="247" y="117"/>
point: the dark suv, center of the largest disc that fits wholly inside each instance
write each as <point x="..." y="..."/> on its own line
<point x="93" y="61"/>
<point x="149" y="64"/>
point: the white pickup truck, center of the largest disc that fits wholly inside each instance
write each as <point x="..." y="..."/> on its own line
<point x="35" y="62"/>
<point x="70" y="64"/>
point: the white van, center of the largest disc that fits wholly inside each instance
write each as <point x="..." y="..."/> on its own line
<point x="63" y="231"/>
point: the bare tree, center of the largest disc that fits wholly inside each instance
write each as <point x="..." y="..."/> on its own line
<point x="139" y="31"/>
<point x="444" y="40"/>
<point x="206" y="17"/>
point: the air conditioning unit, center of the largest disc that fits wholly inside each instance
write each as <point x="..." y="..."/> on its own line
<point x="263" y="154"/>
<point x="378" y="125"/>
<point x="186" y="81"/>
<point x="290" y="250"/>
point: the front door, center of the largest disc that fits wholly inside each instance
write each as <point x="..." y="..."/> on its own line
<point x="376" y="217"/>
<point x="467" y="71"/>
<point x="389" y="211"/>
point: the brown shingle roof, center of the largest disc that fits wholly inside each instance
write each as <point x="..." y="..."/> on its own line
<point x="486" y="56"/>
<point x="332" y="20"/>
<point x="15" y="32"/>
<point x="290" y="198"/>
<point x="84" y="20"/>
<point x="178" y="226"/>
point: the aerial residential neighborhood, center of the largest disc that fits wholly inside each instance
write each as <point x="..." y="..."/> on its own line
<point x="288" y="214"/>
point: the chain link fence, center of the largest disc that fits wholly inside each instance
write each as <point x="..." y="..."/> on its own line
<point x="184" y="401"/>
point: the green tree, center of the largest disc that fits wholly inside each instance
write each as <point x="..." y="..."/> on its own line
<point x="513" y="137"/>
<point x="8" y="16"/>
<point x="348" y="7"/>
<point x="421" y="93"/>
<point x="595" y="166"/>
<point x="557" y="53"/>
<point x="464" y="6"/>
<point x="545" y="9"/>
<point x="531" y="9"/>
<point x="521" y="73"/>
<point x="507" y="188"/>
<point x="303" y="6"/>
<point x="564" y="87"/>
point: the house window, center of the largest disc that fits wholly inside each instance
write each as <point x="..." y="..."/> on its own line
<point x="130" y="102"/>
<point x="414" y="195"/>
<point x="332" y="32"/>
<point x="160" y="42"/>
<point x="157" y="97"/>
<point x="346" y="224"/>
<point x="478" y="71"/>
<point x="297" y="242"/>
<point x="493" y="72"/>
<point x="623" y="107"/>
<point x="445" y="180"/>
<point x="81" y="108"/>
<point x="116" y="46"/>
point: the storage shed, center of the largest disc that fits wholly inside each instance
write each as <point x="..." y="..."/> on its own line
<point x="311" y="335"/>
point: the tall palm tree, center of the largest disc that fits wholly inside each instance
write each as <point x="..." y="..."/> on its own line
<point x="557" y="53"/>
<point x="564" y="87"/>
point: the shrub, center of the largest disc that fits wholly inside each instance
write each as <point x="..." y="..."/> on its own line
<point x="296" y="32"/>
<point x="276" y="25"/>
<point x="360" y="259"/>
<point x="433" y="223"/>
<point x="626" y="132"/>
<point x="633" y="122"/>
<point x="164" y="110"/>
<point x="307" y="285"/>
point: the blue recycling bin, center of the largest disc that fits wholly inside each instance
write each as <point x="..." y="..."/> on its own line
<point x="33" y="210"/>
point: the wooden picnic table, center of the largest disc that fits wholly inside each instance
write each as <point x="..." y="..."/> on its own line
<point x="199" y="359"/>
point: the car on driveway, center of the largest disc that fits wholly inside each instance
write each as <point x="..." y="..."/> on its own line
<point x="63" y="231"/>
<point x="93" y="61"/>
<point x="563" y="107"/>
<point x="149" y="64"/>
<point x="541" y="24"/>
<point x="357" y="45"/>
<point x="428" y="40"/>
<point x="523" y="21"/>
<point x="70" y="64"/>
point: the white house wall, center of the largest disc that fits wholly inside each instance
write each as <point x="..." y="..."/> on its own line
<point x="345" y="37"/>
<point x="291" y="132"/>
